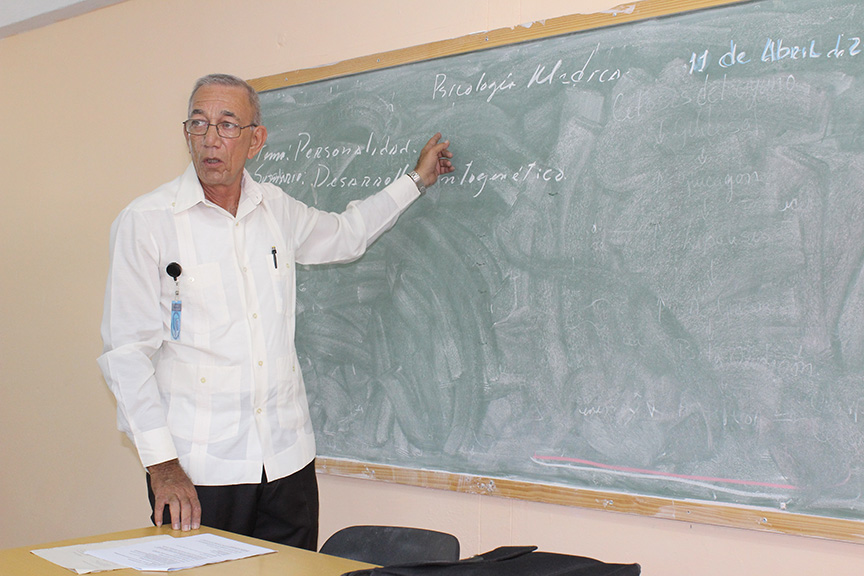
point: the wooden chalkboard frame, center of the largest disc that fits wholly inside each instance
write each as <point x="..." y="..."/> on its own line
<point x="735" y="516"/>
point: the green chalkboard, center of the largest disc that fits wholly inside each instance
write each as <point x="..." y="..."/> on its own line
<point x="645" y="275"/>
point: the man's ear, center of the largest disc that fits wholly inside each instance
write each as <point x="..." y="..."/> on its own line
<point x="259" y="138"/>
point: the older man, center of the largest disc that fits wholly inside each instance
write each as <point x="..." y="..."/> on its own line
<point x="198" y="325"/>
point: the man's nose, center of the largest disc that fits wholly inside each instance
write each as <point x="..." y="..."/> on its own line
<point x="211" y="136"/>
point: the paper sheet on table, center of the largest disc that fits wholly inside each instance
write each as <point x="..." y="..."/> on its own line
<point x="74" y="558"/>
<point x="179" y="553"/>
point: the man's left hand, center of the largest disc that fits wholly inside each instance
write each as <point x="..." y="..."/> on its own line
<point x="434" y="160"/>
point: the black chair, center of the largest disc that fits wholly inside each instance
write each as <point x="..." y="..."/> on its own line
<point x="384" y="545"/>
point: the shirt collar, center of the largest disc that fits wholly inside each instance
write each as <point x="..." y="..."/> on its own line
<point x="190" y="192"/>
<point x="250" y="195"/>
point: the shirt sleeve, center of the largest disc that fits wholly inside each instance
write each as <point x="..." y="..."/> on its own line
<point x="326" y="237"/>
<point x="131" y="334"/>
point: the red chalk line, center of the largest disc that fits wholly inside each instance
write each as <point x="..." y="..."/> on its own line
<point x="665" y="474"/>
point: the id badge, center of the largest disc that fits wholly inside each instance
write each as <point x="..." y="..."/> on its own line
<point x="176" y="309"/>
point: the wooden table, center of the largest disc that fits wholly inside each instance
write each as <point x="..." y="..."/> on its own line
<point x="286" y="561"/>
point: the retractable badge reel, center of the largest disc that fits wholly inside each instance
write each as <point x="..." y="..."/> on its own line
<point x="174" y="270"/>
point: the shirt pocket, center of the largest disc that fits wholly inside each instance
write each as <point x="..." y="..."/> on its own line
<point x="205" y="402"/>
<point x="282" y="280"/>
<point x="202" y="293"/>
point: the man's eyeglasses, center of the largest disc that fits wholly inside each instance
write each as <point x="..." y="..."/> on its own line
<point x="224" y="129"/>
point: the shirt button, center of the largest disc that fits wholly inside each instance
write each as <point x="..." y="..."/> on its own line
<point x="203" y="380"/>
<point x="259" y="411"/>
<point x="260" y="362"/>
<point x="254" y="315"/>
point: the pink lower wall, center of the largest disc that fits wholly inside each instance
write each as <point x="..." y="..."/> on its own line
<point x="91" y="118"/>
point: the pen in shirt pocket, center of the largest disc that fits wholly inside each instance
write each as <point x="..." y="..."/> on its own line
<point x="275" y="264"/>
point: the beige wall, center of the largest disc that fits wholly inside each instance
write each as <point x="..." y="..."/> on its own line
<point x="91" y="111"/>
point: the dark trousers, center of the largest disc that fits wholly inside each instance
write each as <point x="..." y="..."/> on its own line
<point x="283" y="511"/>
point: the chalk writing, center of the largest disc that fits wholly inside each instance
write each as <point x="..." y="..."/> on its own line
<point x="776" y="50"/>
<point x="444" y="89"/>
<point x="304" y="147"/>
<point x="488" y="85"/>
<point x="565" y="77"/>
<point x="525" y="172"/>
<point x="324" y="178"/>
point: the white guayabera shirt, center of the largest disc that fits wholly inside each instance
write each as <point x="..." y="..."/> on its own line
<point x="226" y="396"/>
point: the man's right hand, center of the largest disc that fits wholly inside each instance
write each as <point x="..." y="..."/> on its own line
<point x="172" y="487"/>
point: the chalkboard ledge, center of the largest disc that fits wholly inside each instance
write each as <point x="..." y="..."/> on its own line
<point x="753" y="518"/>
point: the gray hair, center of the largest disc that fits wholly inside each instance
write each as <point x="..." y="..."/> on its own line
<point x="229" y="80"/>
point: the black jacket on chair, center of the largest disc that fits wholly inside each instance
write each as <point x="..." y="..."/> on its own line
<point x="508" y="561"/>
